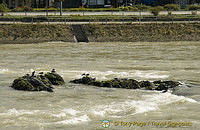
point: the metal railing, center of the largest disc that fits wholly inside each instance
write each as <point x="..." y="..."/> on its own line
<point x="83" y="13"/>
<point x="101" y="19"/>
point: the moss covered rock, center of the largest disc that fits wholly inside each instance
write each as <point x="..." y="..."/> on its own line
<point x="22" y="84"/>
<point x="165" y="85"/>
<point x="45" y="80"/>
<point x="147" y="85"/>
<point x="127" y="83"/>
<point x="38" y="82"/>
<point x="55" y="78"/>
<point x="30" y="84"/>
<point x="85" y="80"/>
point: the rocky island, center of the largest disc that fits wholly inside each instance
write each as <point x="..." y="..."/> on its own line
<point x="41" y="82"/>
<point x="128" y="83"/>
<point x="45" y="82"/>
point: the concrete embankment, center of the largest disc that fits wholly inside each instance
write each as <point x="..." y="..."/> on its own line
<point x="149" y="32"/>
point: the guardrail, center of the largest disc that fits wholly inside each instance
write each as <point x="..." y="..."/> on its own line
<point x="82" y="13"/>
<point x="101" y="19"/>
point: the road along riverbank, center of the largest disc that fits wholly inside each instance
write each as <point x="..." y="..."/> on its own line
<point x="144" y="32"/>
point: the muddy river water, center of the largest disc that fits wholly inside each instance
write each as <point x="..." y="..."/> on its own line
<point x="73" y="106"/>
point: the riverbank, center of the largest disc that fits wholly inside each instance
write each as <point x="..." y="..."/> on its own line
<point x="148" y="32"/>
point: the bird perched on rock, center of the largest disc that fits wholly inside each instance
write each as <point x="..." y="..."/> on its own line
<point x="41" y="73"/>
<point x="26" y="76"/>
<point x="33" y="73"/>
<point x="53" y="71"/>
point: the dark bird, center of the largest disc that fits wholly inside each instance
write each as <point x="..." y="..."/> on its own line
<point x="87" y="75"/>
<point x="41" y="73"/>
<point x="26" y="76"/>
<point x="165" y="91"/>
<point x="33" y="73"/>
<point x="83" y="74"/>
<point x="53" y="71"/>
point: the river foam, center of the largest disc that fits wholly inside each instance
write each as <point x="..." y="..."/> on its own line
<point x="145" y="104"/>
<point x="2" y="71"/>
<point x="14" y="112"/>
<point x="75" y="120"/>
<point x="148" y="101"/>
<point x="64" y="116"/>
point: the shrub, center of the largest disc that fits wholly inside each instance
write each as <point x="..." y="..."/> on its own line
<point x="193" y="7"/>
<point x="27" y="9"/>
<point x="169" y="12"/>
<point x="142" y="7"/>
<point x="172" y="7"/>
<point x="44" y="9"/>
<point x="155" y="11"/>
<point x="128" y="8"/>
<point x="18" y="9"/>
<point x="194" y="13"/>
<point x="53" y="9"/>
<point x="3" y="8"/>
<point x="160" y="8"/>
<point x="95" y="9"/>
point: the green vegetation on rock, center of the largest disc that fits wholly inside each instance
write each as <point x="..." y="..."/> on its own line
<point x="128" y="83"/>
<point x="55" y="78"/>
<point x="38" y="82"/>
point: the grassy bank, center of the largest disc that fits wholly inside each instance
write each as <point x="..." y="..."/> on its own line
<point x="21" y="33"/>
<point x="34" y="33"/>
<point x="144" y="32"/>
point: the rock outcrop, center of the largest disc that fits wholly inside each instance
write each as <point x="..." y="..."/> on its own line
<point x="127" y="83"/>
<point x="41" y="82"/>
<point x="54" y="78"/>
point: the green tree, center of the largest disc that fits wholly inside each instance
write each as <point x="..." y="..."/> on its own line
<point x="3" y="8"/>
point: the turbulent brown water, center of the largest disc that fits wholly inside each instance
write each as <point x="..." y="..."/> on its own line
<point x="76" y="107"/>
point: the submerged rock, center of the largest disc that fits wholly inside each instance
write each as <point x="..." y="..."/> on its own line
<point x="127" y="83"/>
<point x="37" y="82"/>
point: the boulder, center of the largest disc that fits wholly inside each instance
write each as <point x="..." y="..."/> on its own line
<point x="84" y="80"/>
<point x="147" y="85"/>
<point x="127" y="83"/>
<point x="30" y="84"/>
<point x="54" y="78"/>
<point x="38" y="82"/>
<point x="114" y="83"/>
<point x="22" y="84"/>
<point x="165" y="85"/>
<point x="45" y="80"/>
